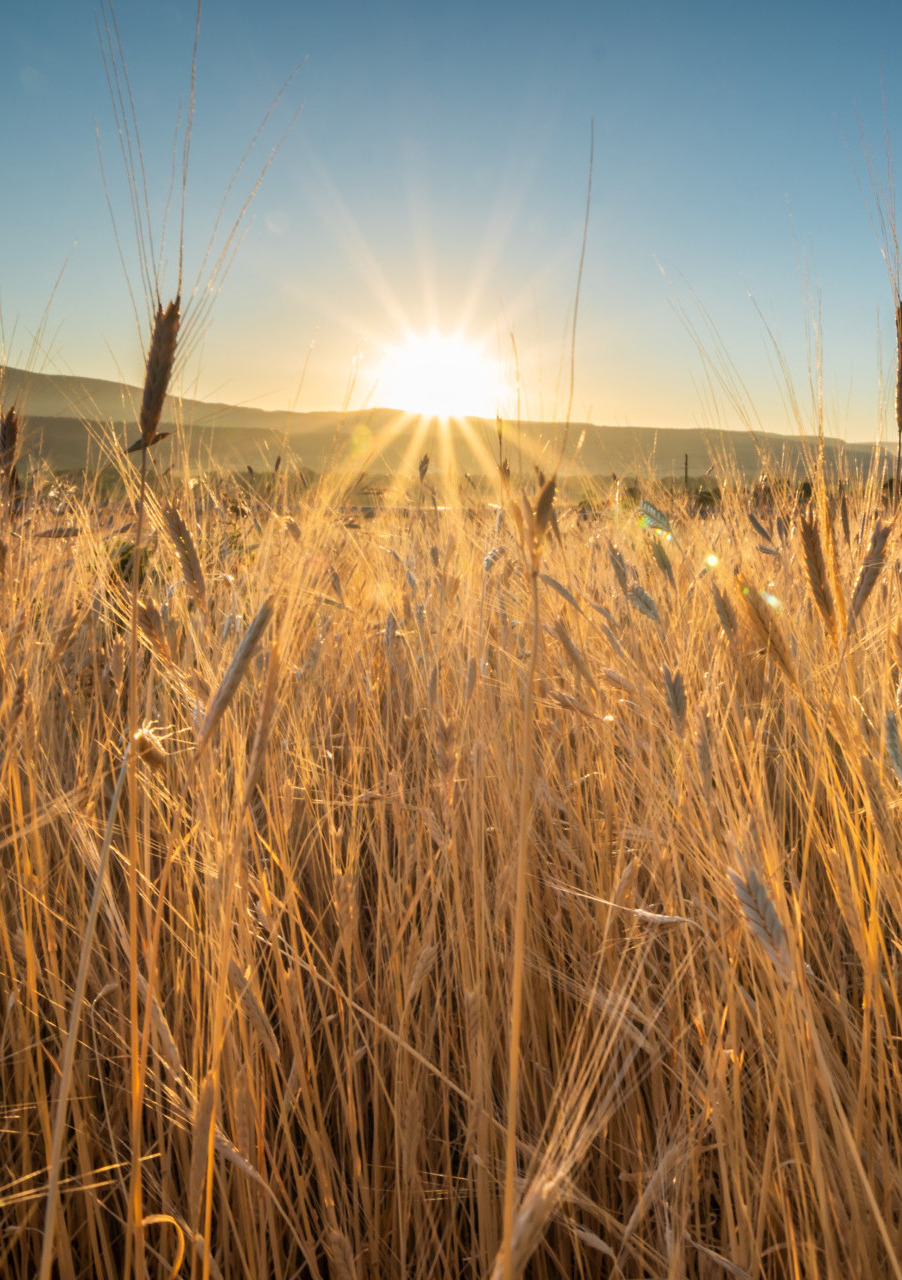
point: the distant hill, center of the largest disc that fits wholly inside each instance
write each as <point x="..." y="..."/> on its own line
<point x="73" y="423"/>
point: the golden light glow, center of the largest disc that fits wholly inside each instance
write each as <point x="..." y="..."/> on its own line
<point x="442" y="376"/>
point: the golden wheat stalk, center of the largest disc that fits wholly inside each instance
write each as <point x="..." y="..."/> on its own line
<point x="158" y="372"/>
<point x="61" y="1108"/>
<point x="187" y="554"/>
<point x="151" y="623"/>
<point x="767" y="629"/>
<point x="202" y="1129"/>
<point x="870" y="570"/>
<point x="761" y="917"/>
<point x="263" y="727"/>
<point x="234" y="674"/>
<point x="532" y="1217"/>
<point x="816" y="573"/>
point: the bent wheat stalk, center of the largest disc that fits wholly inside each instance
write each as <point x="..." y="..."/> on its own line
<point x="61" y="1111"/>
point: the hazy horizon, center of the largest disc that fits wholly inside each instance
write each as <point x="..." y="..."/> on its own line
<point x="77" y="424"/>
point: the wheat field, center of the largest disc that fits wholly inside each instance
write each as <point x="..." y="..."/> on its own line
<point x="639" y="776"/>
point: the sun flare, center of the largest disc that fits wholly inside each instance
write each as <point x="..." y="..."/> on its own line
<point x="442" y="376"/>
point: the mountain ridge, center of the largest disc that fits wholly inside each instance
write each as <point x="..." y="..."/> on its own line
<point x="73" y="422"/>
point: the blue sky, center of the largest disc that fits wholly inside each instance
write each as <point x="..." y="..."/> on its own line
<point x="436" y="177"/>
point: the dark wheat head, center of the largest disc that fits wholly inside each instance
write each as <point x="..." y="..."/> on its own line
<point x="160" y="359"/>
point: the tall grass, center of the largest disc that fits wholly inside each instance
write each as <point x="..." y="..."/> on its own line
<point x="710" y="1076"/>
<point x="480" y="902"/>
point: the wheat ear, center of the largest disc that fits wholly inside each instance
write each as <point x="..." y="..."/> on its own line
<point x="870" y="570"/>
<point x="158" y="372"/>
<point x="233" y="676"/>
<point x="769" y="633"/>
<point x="816" y="571"/>
<point x="187" y="554"/>
<point x="761" y="917"/>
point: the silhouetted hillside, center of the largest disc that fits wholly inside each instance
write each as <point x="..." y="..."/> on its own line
<point x="68" y="419"/>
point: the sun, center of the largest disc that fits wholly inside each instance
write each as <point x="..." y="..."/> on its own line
<point x="441" y="376"/>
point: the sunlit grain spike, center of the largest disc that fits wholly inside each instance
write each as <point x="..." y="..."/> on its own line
<point x="653" y="518"/>
<point x="816" y="570"/>
<point x="639" y="597"/>
<point x="160" y="359"/>
<point x="761" y="917"/>
<point x="187" y="554"/>
<point x="618" y="564"/>
<point x="234" y="674"/>
<point x="765" y="626"/>
<point x="870" y="570"/>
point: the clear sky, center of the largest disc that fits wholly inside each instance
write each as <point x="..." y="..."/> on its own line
<point x="435" y="179"/>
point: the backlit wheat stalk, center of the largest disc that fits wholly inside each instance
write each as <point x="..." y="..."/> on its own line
<point x="869" y="573"/>
<point x="761" y="917"/>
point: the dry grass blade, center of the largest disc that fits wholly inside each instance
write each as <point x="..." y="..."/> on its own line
<point x="844" y="517"/>
<point x="201" y="1146"/>
<point x="675" y="689"/>
<point x="561" y="590"/>
<point x="66" y="634"/>
<point x="187" y="554"/>
<point x="761" y="916"/>
<point x="639" y="913"/>
<point x="66" y="1068"/>
<point x="168" y="1046"/>
<point x="17" y="702"/>
<point x="816" y="573"/>
<point x="160" y="360"/>
<point x="618" y="564"/>
<point x="893" y="745"/>
<point x="537" y="1206"/>
<point x="472" y="675"/>
<point x="263" y="728"/>
<point x="725" y="612"/>
<point x="227" y="1149"/>
<point x="575" y="657"/>
<point x="253" y="1008"/>
<point x="662" y="560"/>
<point x="151" y="623"/>
<point x="204" y="1258"/>
<point x="870" y="570"/>
<point x="759" y="528"/>
<point x="234" y="674"/>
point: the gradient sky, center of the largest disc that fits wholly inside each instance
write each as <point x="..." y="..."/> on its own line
<point x="436" y="177"/>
